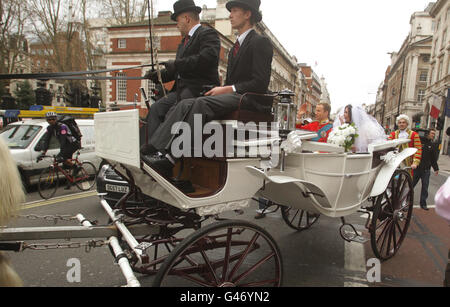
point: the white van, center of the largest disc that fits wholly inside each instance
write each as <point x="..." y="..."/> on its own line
<point x="25" y="138"/>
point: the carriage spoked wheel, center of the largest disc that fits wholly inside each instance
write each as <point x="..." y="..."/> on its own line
<point x="392" y="216"/>
<point x="159" y="249"/>
<point x="158" y="252"/>
<point x="224" y="254"/>
<point x="298" y="219"/>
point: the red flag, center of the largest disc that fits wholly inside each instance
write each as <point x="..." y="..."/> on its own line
<point x="435" y="107"/>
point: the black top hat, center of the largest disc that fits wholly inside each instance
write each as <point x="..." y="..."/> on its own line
<point x="252" y="5"/>
<point x="182" y="6"/>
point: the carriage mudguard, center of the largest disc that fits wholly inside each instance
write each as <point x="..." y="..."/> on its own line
<point x="285" y="180"/>
<point x="386" y="172"/>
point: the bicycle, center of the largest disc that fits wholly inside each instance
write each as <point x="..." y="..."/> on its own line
<point x="84" y="176"/>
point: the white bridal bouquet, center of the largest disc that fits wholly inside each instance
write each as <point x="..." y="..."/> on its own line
<point x="344" y="136"/>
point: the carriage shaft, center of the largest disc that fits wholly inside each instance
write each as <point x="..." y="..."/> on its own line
<point x="70" y="232"/>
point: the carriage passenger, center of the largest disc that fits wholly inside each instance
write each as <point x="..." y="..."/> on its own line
<point x="368" y="129"/>
<point x="195" y="66"/>
<point x="249" y="70"/>
<point x="322" y="125"/>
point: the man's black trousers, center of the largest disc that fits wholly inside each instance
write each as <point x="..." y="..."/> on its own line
<point x="424" y="176"/>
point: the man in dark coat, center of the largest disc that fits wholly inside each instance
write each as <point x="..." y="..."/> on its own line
<point x="430" y="154"/>
<point x="249" y="70"/>
<point x="195" y="66"/>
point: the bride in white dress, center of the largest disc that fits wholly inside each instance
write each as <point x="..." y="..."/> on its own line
<point x="369" y="130"/>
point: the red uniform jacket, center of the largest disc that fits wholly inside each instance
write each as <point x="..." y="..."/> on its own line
<point x="323" y="130"/>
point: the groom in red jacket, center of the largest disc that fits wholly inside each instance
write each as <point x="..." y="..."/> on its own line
<point x="322" y="125"/>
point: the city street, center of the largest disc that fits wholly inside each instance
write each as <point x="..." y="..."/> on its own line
<point x="318" y="257"/>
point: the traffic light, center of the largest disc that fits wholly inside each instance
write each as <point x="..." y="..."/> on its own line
<point x="440" y="124"/>
<point x="43" y="97"/>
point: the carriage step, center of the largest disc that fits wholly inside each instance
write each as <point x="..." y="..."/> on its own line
<point x="360" y="239"/>
<point x="350" y="236"/>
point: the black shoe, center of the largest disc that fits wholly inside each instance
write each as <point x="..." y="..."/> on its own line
<point x="160" y="164"/>
<point x="260" y="216"/>
<point x="148" y="150"/>
<point x="424" y="207"/>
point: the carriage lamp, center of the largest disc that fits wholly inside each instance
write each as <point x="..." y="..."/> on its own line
<point x="286" y="113"/>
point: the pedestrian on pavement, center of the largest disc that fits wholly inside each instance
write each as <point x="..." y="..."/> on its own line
<point x="264" y="208"/>
<point x="430" y="154"/>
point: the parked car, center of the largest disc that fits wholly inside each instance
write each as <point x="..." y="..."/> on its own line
<point x="25" y="138"/>
<point x="114" y="186"/>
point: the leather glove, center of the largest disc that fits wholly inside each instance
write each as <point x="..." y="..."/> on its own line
<point x="152" y="75"/>
<point x="170" y="67"/>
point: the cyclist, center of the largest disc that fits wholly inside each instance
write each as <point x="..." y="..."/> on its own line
<point x="68" y="143"/>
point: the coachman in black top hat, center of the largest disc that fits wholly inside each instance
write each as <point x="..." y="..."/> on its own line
<point x="249" y="71"/>
<point x="182" y="6"/>
<point x="252" y="5"/>
<point x="196" y="65"/>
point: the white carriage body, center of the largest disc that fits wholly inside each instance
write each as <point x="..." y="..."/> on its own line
<point x="334" y="184"/>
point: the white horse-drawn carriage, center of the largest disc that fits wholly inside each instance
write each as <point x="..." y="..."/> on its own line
<point x="183" y="238"/>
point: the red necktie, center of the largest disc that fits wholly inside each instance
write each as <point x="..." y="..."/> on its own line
<point x="236" y="48"/>
<point x="186" y="40"/>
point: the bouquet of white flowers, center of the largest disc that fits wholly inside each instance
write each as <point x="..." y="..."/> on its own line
<point x="344" y="136"/>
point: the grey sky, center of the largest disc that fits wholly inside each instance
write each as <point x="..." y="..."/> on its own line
<point x="349" y="39"/>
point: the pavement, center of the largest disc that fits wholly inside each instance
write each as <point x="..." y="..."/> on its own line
<point x="444" y="164"/>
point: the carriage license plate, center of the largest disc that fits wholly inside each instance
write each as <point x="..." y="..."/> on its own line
<point x="117" y="188"/>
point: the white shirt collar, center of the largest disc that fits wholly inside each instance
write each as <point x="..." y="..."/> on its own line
<point x="403" y="134"/>
<point x="192" y="32"/>
<point x="241" y="38"/>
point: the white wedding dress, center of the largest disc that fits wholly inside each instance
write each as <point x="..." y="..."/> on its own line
<point x="369" y="130"/>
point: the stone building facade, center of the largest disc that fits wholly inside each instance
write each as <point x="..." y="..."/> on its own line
<point x="129" y="45"/>
<point x="437" y="91"/>
<point x="406" y="79"/>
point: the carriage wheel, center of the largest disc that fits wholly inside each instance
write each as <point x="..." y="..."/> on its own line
<point x="157" y="254"/>
<point x="298" y="219"/>
<point x="392" y="216"/>
<point x="224" y="254"/>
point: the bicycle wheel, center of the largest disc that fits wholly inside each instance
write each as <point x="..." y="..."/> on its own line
<point x="86" y="176"/>
<point x="48" y="182"/>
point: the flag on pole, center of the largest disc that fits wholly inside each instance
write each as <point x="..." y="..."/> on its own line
<point x="435" y="106"/>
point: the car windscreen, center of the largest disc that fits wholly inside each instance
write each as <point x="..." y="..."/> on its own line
<point x="19" y="136"/>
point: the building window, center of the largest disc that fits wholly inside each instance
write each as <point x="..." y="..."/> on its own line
<point x="441" y="68"/>
<point x="423" y="76"/>
<point x="426" y="58"/>
<point x="150" y="87"/>
<point x="421" y="96"/>
<point x="122" y="43"/>
<point x="444" y="39"/>
<point x="121" y="88"/>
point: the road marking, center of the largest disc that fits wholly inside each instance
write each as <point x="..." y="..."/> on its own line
<point x="56" y="200"/>
<point x="355" y="261"/>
